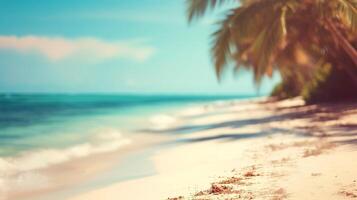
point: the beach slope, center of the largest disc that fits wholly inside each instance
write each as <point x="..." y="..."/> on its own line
<point x="252" y="150"/>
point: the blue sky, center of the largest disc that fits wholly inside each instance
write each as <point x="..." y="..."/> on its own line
<point x="110" y="46"/>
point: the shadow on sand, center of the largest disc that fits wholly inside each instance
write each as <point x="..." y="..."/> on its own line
<point x="316" y="114"/>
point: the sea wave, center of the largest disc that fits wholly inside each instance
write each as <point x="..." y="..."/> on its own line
<point x="162" y="121"/>
<point x="17" y="171"/>
<point x="193" y="111"/>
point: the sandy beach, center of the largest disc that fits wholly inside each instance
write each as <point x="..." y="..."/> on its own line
<point x="251" y="150"/>
<point x="178" y="100"/>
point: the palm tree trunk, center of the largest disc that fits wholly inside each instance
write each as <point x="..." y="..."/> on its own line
<point x="347" y="47"/>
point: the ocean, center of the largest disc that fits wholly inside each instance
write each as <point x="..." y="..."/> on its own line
<point x="39" y="130"/>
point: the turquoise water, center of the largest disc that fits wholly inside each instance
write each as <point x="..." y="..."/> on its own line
<point x="42" y="121"/>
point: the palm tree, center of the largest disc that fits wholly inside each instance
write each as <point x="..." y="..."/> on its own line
<point x="291" y="36"/>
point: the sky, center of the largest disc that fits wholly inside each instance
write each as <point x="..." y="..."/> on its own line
<point x="111" y="46"/>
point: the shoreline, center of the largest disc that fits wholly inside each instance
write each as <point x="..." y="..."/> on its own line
<point x="60" y="181"/>
<point x="57" y="179"/>
<point x="252" y="150"/>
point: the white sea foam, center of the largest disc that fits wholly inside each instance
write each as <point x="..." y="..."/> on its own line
<point x="192" y="111"/>
<point x="21" y="171"/>
<point x="162" y="121"/>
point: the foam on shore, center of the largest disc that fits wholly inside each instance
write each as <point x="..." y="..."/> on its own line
<point x="20" y="171"/>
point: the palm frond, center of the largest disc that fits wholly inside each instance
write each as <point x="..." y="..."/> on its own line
<point x="197" y="8"/>
<point x="221" y="48"/>
<point x="248" y="22"/>
<point x="266" y="45"/>
<point x="252" y="18"/>
<point x="255" y="31"/>
<point x="347" y="11"/>
<point x="265" y="35"/>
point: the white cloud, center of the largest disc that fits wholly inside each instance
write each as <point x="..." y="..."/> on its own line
<point x="88" y="48"/>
